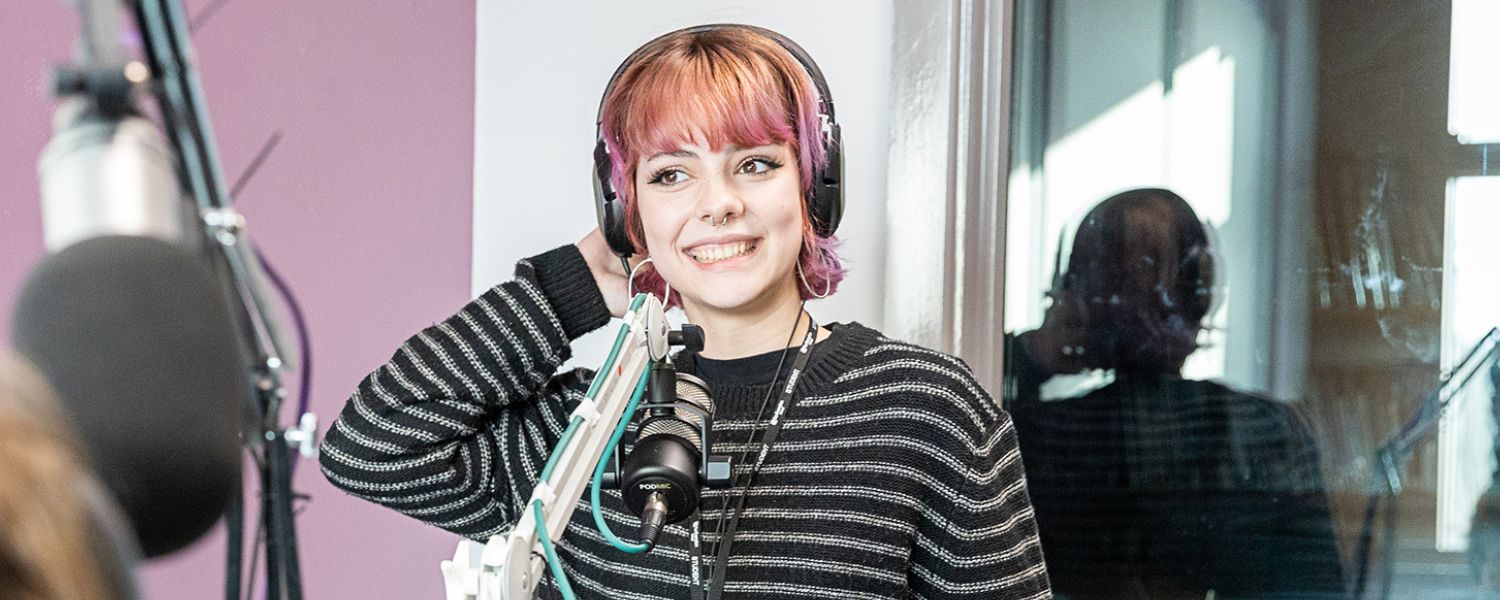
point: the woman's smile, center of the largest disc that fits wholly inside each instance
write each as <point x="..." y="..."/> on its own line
<point x="723" y="253"/>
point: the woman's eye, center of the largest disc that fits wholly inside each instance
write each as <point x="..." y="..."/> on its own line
<point x="758" y="166"/>
<point x="668" y="177"/>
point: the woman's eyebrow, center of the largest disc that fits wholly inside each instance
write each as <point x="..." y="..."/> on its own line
<point x="676" y="154"/>
<point x="731" y="148"/>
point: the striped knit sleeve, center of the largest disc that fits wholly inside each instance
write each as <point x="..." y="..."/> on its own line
<point x="977" y="536"/>
<point x="455" y="428"/>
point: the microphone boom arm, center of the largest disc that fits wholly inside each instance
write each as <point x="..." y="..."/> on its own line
<point x="510" y="565"/>
<point x="1394" y="451"/>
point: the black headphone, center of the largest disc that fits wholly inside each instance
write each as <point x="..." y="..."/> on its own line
<point x="1196" y="267"/>
<point x="825" y="201"/>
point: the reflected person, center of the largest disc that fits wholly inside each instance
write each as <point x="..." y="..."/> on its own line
<point x="1157" y="486"/>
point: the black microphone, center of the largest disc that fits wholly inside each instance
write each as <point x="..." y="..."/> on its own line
<point x="662" y="475"/>
<point x="669" y="464"/>
<point x="136" y="337"/>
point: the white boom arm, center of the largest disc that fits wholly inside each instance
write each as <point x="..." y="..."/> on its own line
<point x="509" y="566"/>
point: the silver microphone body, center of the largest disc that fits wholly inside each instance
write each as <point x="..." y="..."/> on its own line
<point x="108" y="175"/>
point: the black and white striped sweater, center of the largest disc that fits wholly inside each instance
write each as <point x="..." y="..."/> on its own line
<point x="895" y="476"/>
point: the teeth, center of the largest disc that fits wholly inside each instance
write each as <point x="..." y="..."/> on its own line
<point x="717" y="252"/>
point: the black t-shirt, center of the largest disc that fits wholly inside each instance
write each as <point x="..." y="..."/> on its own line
<point x="755" y="371"/>
<point x="750" y="370"/>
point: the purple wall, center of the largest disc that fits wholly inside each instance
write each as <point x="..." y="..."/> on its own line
<point x="32" y="37"/>
<point x="365" y="207"/>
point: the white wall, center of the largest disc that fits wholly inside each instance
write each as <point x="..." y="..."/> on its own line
<point x="541" y="68"/>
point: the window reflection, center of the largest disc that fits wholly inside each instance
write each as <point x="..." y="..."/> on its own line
<point x="1304" y="158"/>
<point x="1156" y="485"/>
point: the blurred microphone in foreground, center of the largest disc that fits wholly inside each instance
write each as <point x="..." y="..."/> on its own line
<point x="135" y="336"/>
<point x="148" y="319"/>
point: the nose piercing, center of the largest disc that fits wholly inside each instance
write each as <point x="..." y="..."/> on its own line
<point x="715" y="224"/>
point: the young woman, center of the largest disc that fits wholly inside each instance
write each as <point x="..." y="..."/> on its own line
<point x="894" y="475"/>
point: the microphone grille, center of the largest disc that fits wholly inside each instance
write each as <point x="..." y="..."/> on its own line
<point x="672" y="427"/>
<point x="686" y="424"/>
<point x="694" y="390"/>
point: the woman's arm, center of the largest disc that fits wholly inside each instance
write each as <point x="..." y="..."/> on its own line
<point x="454" y="430"/>
<point x="977" y="537"/>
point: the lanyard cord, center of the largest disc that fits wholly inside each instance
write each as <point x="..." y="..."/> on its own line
<point x="726" y="538"/>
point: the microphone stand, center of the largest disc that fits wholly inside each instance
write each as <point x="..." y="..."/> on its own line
<point x="1392" y="456"/>
<point x="173" y="80"/>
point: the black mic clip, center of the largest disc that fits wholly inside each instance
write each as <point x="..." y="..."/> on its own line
<point x="110" y="88"/>
<point x="103" y="72"/>
<point x="690" y="337"/>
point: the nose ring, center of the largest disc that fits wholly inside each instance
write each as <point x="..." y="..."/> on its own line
<point x="716" y="225"/>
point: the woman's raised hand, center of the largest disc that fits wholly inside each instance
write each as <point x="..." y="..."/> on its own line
<point x="1061" y="344"/>
<point x="608" y="273"/>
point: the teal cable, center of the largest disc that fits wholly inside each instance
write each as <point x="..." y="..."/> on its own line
<point x="552" y="561"/>
<point x="557" y="450"/>
<point x="609" y="363"/>
<point x="614" y="441"/>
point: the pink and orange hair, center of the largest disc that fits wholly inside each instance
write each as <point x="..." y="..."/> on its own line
<point x="731" y="85"/>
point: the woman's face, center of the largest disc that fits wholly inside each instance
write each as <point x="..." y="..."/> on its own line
<point x="745" y="263"/>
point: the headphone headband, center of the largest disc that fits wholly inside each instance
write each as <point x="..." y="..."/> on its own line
<point x="825" y="201"/>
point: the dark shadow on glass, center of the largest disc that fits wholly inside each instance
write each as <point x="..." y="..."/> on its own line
<point x="1153" y="485"/>
<point x="1484" y="531"/>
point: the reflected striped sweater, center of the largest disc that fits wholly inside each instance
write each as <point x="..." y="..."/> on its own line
<point x="895" y="476"/>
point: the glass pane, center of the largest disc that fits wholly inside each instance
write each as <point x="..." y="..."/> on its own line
<point x="1250" y="294"/>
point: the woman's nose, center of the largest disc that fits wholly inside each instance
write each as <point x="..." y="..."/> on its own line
<point x="719" y="201"/>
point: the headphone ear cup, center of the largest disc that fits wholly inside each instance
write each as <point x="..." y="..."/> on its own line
<point x="1196" y="277"/>
<point x="826" y="206"/>
<point x="607" y="205"/>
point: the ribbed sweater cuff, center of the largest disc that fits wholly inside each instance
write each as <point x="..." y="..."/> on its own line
<point x="565" y="279"/>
